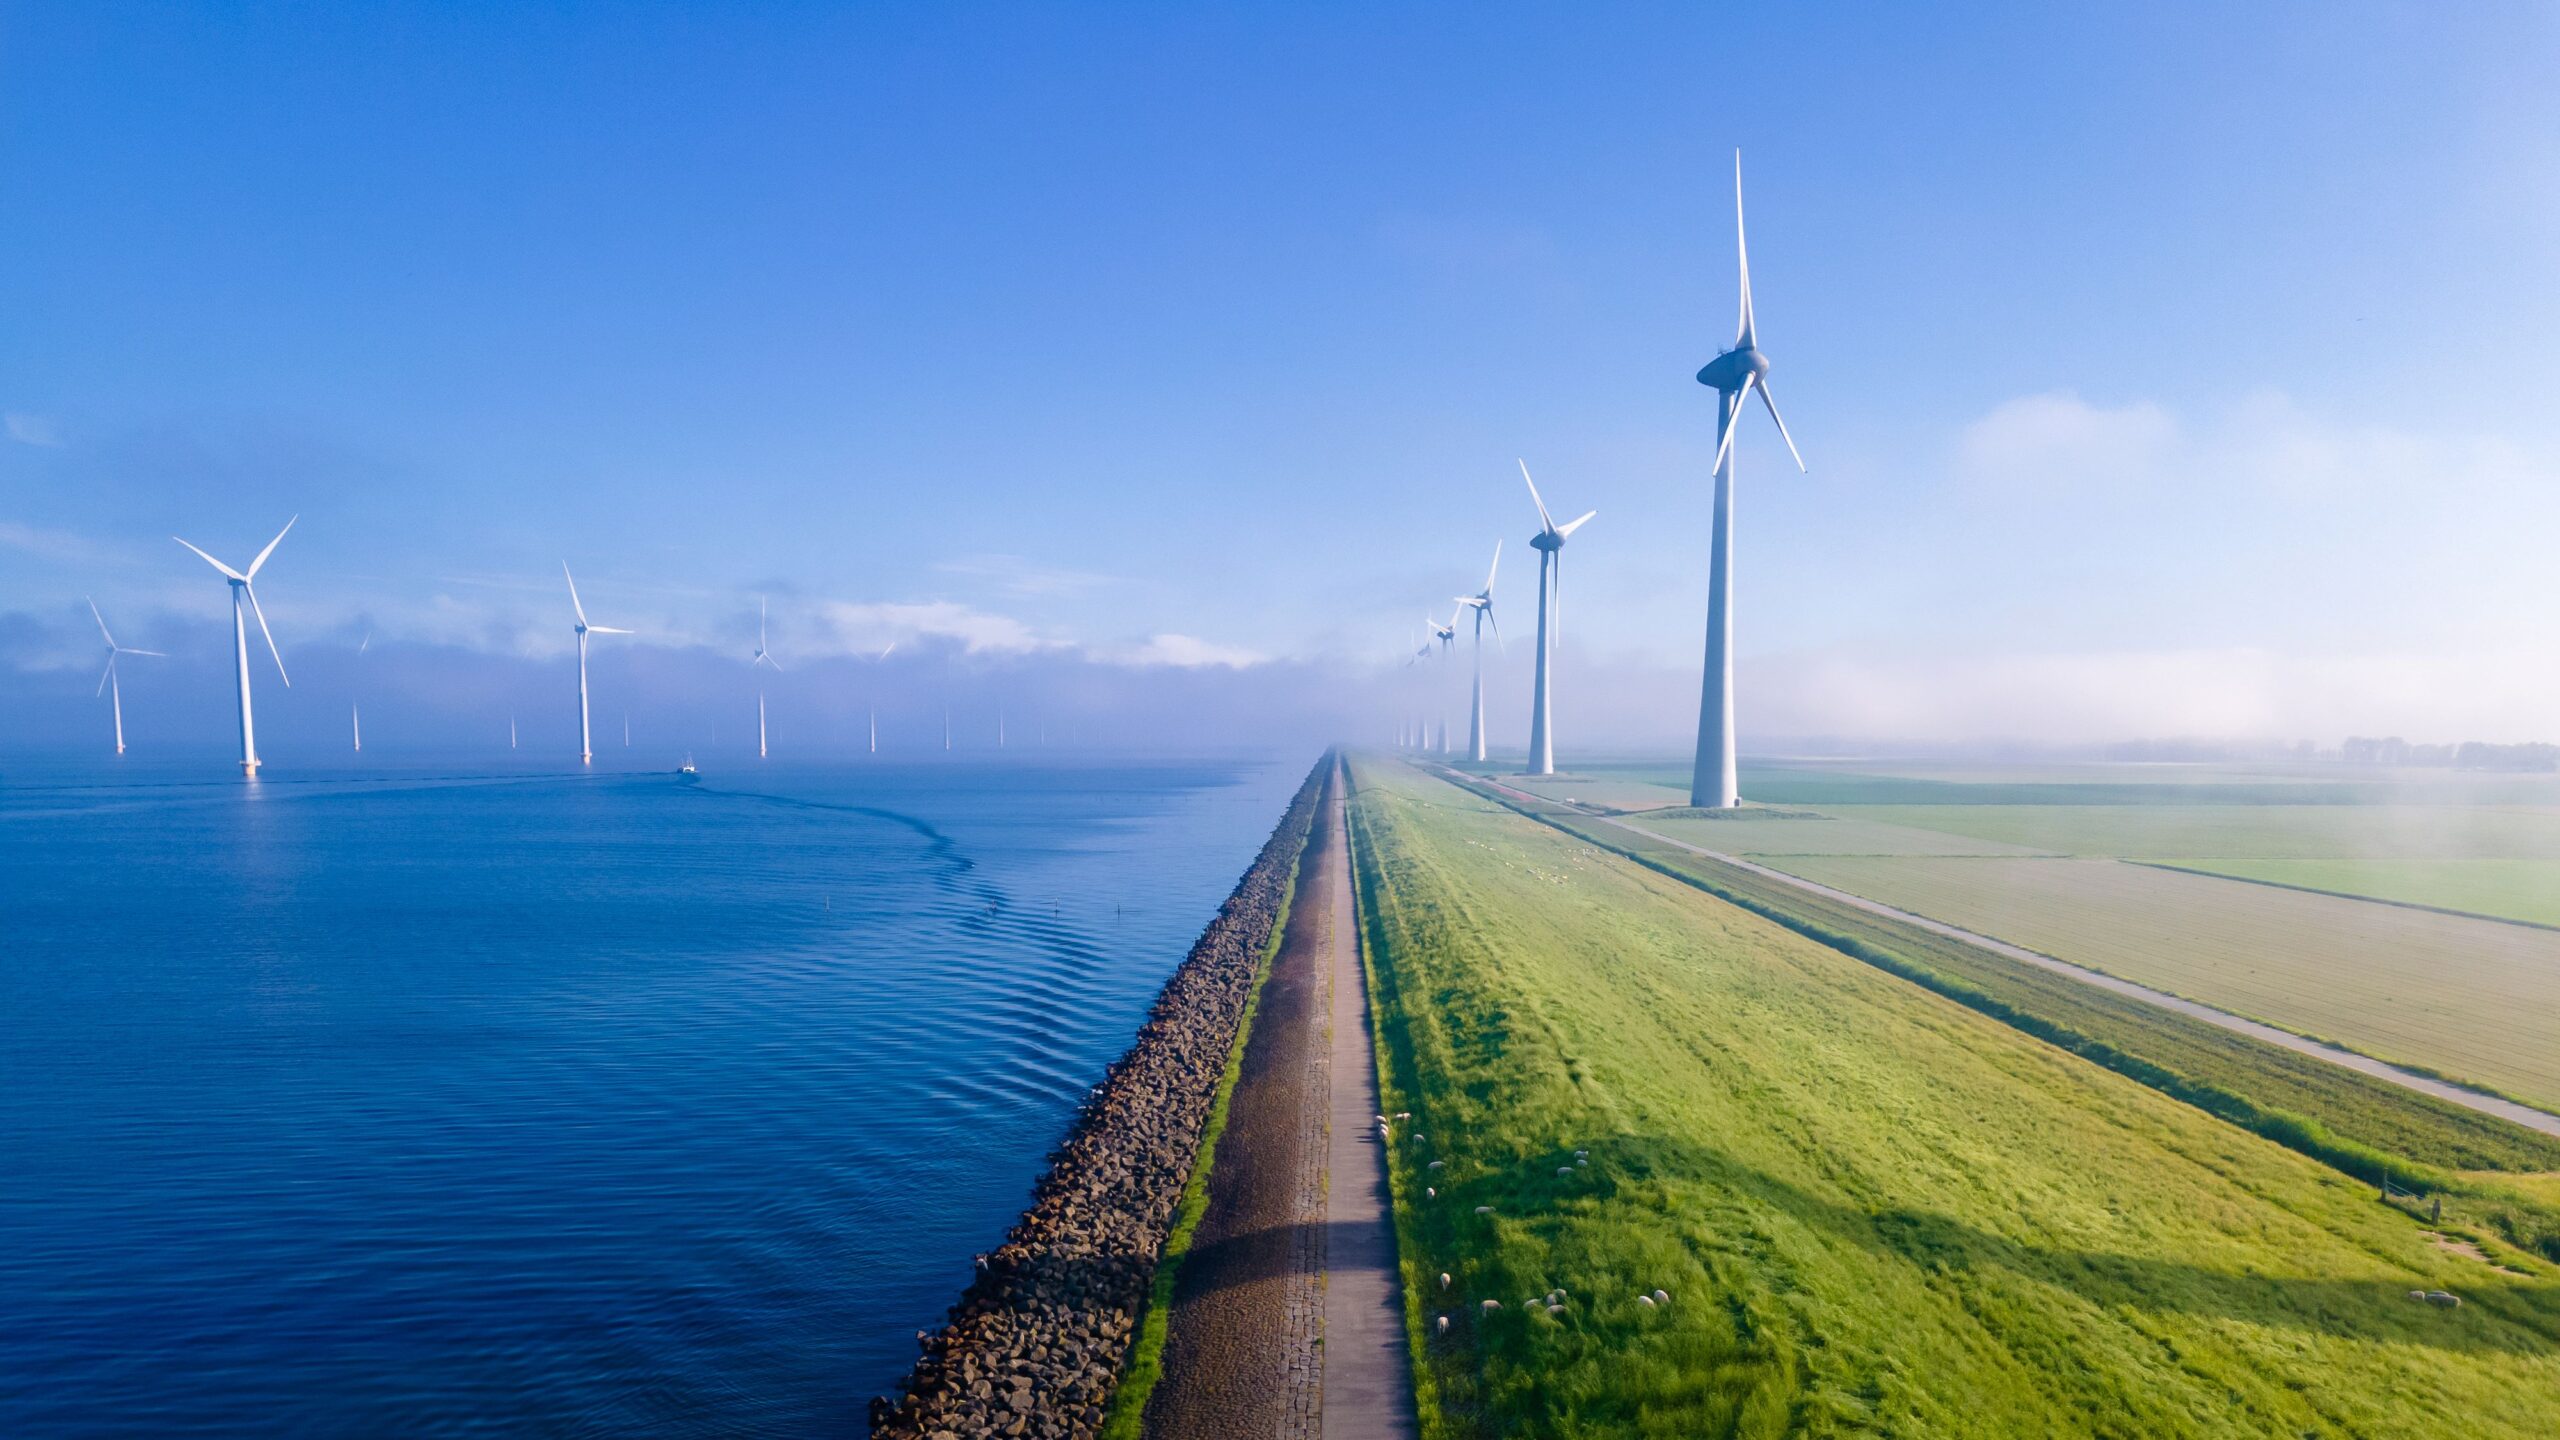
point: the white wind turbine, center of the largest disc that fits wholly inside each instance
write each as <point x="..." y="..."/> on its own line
<point x="763" y="657"/>
<point x="586" y="736"/>
<point x="1446" y="638"/>
<point x="241" y="589"/>
<point x="1549" y="543"/>
<point x="1481" y="602"/>
<point x="355" y="712"/>
<point x="108" y="681"/>
<point x="1715" y="780"/>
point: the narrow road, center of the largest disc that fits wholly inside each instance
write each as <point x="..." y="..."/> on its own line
<point x="1287" y="1316"/>
<point x="1368" y="1376"/>
<point x="2504" y="1109"/>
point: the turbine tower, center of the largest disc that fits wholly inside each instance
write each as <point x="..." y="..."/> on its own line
<point x="763" y="657"/>
<point x="108" y="681"/>
<point x="1715" y="781"/>
<point x="355" y="709"/>
<point x="586" y="734"/>
<point x="241" y="590"/>
<point x="1549" y="543"/>
<point x="1446" y="637"/>
<point x="1481" y="602"/>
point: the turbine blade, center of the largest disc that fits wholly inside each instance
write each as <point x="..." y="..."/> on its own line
<point x="1498" y="641"/>
<point x="216" y="564"/>
<point x="606" y="630"/>
<point x="155" y="654"/>
<point x="1733" y="423"/>
<point x="1742" y="249"/>
<point x="270" y="550"/>
<point x="1570" y="526"/>
<point x="1491" y="570"/>
<point x="103" y="676"/>
<point x="102" y="624"/>
<point x="260" y="612"/>
<point x="1771" y="401"/>
<point x="1543" y="519"/>
<point x="573" y="592"/>
<point x="884" y="651"/>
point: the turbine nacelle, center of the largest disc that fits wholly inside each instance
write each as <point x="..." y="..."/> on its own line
<point x="1734" y="368"/>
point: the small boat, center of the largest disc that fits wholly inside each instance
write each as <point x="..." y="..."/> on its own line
<point x="686" y="774"/>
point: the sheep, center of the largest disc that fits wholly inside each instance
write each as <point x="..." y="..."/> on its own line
<point x="1662" y="1297"/>
<point x="1444" y="1324"/>
<point x="1493" y="1304"/>
<point x="1581" y="1162"/>
<point x="1430" y="1192"/>
<point x="2445" y="1299"/>
<point x="1564" y="1169"/>
<point x="1645" y="1300"/>
<point x="1444" y="1279"/>
<point x="1436" y="1164"/>
<point x="1404" y="1114"/>
<point x="1484" y="1209"/>
<point x="1581" y="1154"/>
<point x="2417" y="1294"/>
<point x="1382" y="1119"/>
<point x="1555" y="1297"/>
<point x="1555" y="1310"/>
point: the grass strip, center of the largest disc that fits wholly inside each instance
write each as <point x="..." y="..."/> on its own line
<point x="2436" y="1142"/>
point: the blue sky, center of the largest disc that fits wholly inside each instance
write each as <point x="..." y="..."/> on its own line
<point x="2163" y="370"/>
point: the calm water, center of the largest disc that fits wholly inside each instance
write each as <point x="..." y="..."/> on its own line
<point x="566" y="1106"/>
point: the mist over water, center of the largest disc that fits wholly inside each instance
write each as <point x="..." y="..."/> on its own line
<point x="581" y="1105"/>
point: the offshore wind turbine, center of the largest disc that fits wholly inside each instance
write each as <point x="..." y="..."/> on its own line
<point x="241" y="589"/>
<point x="355" y="710"/>
<point x="1481" y="602"/>
<point x="108" y="682"/>
<point x="763" y="657"/>
<point x="586" y="734"/>
<point x="1715" y="780"/>
<point x="1549" y="543"/>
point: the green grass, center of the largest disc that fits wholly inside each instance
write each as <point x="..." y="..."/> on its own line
<point x="2454" y="995"/>
<point x="2526" y="890"/>
<point x="1126" y="1417"/>
<point x="1764" y="832"/>
<point x="2245" y="832"/>
<point x="1875" y="1211"/>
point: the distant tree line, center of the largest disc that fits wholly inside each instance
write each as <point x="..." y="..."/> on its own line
<point x="2469" y="755"/>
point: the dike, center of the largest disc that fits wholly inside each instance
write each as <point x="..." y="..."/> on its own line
<point x="1037" y="1341"/>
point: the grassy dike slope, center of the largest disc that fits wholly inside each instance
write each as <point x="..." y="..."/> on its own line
<point x="1875" y="1211"/>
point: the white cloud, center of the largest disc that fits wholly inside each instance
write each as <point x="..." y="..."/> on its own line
<point x="1016" y="576"/>
<point x="2043" y="442"/>
<point x="863" y="627"/>
<point x="31" y="429"/>
<point x="49" y="544"/>
<point x="1184" y="652"/>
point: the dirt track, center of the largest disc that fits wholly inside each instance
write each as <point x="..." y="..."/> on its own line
<point x="1241" y="1355"/>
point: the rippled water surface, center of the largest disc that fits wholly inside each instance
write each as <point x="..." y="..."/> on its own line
<point x="575" y="1105"/>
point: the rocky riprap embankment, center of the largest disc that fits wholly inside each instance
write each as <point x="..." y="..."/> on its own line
<point x="1037" y="1340"/>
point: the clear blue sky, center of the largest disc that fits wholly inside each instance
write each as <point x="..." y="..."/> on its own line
<point x="2137" y="350"/>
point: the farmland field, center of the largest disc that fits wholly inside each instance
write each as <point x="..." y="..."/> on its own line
<point x="2527" y="890"/>
<point x="2469" y="998"/>
<point x="1765" y="832"/>
<point x="1872" y="1210"/>
<point x="2245" y="832"/>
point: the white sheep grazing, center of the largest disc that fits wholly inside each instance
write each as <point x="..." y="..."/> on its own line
<point x="1436" y="1164"/>
<point x="1444" y="1279"/>
<point x="1484" y="1209"/>
<point x="2417" y="1294"/>
<point x="1444" y="1324"/>
<point x="1555" y="1297"/>
<point x="1662" y="1297"/>
<point x="1382" y="1119"/>
<point x="1493" y="1304"/>
<point x="1430" y="1192"/>
<point x="1555" y="1310"/>
<point x="1581" y="1154"/>
<point x="1564" y="1169"/>
<point x="1645" y="1300"/>
<point x="1404" y="1114"/>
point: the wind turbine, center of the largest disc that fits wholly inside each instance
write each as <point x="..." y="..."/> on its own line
<point x="108" y="681"/>
<point x="1715" y="780"/>
<point x="355" y="711"/>
<point x="241" y="589"/>
<point x="586" y="735"/>
<point x="763" y="657"/>
<point x="1549" y="543"/>
<point x="1481" y="602"/>
<point x="1446" y="638"/>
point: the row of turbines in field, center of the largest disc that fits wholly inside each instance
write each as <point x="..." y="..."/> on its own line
<point x="1735" y="375"/>
<point x="245" y="606"/>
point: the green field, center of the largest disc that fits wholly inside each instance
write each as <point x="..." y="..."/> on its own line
<point x="1875" y="1211"/>
<point x="2468" y="998"/>
<point x="2527" y="890"/>
<point x="2244" y="832"/>
<point x="1771" y="832"/>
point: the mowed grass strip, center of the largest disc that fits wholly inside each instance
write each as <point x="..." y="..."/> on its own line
<point x="2525" y="890"/>
<point x="1873" y="1211"/>
<point x="1764" y="832"/>
<point x="2463" y="997"/>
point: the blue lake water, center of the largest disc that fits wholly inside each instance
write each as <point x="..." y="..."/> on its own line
<point x="410" y="1105"/>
